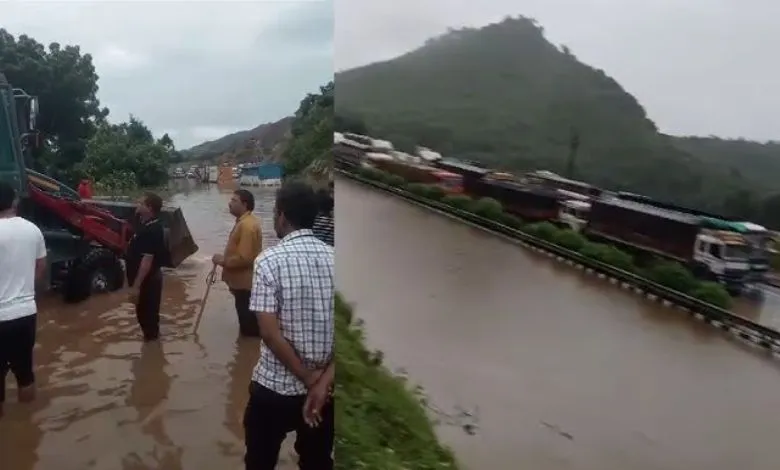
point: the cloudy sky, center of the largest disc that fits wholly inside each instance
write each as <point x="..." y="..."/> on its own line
<point x="197" y="70"/>
<point x="699" y="67"/>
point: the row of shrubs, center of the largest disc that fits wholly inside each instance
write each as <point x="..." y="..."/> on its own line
<point x="666" y="273"/>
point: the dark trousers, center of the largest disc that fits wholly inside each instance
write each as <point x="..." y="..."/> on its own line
<point x="269" y="417"/>
<point x="17" y="340"/>
<point x="147" y="311"/>
<point x="247" y="320"/>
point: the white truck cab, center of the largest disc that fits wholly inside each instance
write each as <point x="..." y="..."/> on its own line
<point x="723" y="256"/>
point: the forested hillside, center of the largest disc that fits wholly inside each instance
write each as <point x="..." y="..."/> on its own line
<point x="506" y="96"/>
<point x="265" y="138"/>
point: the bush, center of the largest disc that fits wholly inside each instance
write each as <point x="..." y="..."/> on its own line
<point x="487" y="207"/>
<point x="436" y="193"/>
<point x="674" y="276"/>
<point x="543" y="230"/>
<point x="458" y="201"/>
<point x="380" y="423"/>
<point x="712" y="293"/>
<point x="371" y="173"/>
<point x="608" y="254"/>
<point x="426" y="190"/>
<point x="394" y="180"/>
<point x="569" y="239"/>
<point x="510" y="221"/>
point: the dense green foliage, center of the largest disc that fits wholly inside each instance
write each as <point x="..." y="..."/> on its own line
<point x="264" y="140"/>
<point x="78" y="140"/>
<point x="507" y="97"/>
<point x="309" y="150"/>
<point x="380" y="423"/>
<point x="127" y="153"/>
<point x="666" y="273"/>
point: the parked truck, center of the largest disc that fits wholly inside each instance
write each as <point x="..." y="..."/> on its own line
<point x="418" y="173"/>
<point x="717" y="255"/>
<point x="530" y="203"/>
<point x="86" y="239"/>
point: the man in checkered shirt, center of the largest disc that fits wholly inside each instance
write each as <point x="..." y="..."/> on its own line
<point x="293" y="293"/>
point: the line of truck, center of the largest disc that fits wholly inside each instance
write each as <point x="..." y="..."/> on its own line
<point x="733" y="253"/>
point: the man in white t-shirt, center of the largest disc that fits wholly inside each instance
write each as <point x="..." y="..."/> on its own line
<point x="22" y="263"/>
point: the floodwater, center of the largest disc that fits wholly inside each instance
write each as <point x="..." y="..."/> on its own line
<point x="108" y="402"/>
<point x="561" y="370"/>
<point x="764" y="310"/>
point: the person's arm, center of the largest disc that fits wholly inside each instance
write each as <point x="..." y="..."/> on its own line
<point x="148" y="246"/>
<point x="246" y="249"/>
<point x="40" y="255"/>
<point x="328" y="376"/>
<point x="263" y="301"/>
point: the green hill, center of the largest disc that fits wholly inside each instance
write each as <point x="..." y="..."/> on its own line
<point x="506" y="96"/>
<point x="267" y="138"/>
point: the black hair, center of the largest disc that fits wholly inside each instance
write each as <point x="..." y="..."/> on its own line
<point x="246" y="198"/>
<point x="7" y="196"/>
<point x="298" y="202"/>
<point x="324" y="201"/>
<point x="153" y="202"/>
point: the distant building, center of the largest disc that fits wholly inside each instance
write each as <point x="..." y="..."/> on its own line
<point x="262" y="174"/>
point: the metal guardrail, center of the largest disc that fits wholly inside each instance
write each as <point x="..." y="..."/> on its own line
<point x="768" y="337"/>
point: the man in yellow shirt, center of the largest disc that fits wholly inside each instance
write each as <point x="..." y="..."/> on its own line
<point x="244" y="244"/>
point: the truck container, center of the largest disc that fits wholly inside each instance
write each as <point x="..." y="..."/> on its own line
<point x="530" y="204"/>
<point x="716" y="255"/>
<point x="418" y="173"/>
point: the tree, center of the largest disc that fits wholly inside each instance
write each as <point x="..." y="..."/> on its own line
<point x="167" y="142"/>
<point x="309" y="149"/>
<point x="128" y="149"/>
<point x="65" y="82"/>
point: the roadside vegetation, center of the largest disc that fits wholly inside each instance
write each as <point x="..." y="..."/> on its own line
<point x="78" y="139"/>
<point x="670" y="274"/>
<point x="381" y="423"/>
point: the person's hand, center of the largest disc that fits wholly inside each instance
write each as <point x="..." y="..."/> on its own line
<point x="218" y="259"/>
<point x="312" y="377"/>
<point x="317" y="397"/>
<point x="132" y="295"/>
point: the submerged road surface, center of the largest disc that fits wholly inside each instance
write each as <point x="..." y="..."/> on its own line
<point x="565" y="371"/>
<point x="107" y="402"/>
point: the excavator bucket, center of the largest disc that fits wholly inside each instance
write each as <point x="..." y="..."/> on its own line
<point x="180" y="242"/>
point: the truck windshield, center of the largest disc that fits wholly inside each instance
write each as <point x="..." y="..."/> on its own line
<point x="737" y="251"/>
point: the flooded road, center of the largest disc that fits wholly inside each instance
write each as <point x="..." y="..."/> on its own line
<point x="565" y="371"/>
<point x="108" y="402"/>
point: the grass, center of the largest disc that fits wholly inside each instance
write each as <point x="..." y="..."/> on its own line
<point x="380" y="423"/>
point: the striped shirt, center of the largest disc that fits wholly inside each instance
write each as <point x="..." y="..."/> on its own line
<point x="324" y="229"/>
<point x="295" y="281"/>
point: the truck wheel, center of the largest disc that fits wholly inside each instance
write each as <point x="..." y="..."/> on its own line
<point x="97" y="272"/>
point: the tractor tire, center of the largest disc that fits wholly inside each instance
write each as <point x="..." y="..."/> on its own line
<point x="99" y="271"/>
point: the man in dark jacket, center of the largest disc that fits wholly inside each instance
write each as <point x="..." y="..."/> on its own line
<point x="323" y="224"/>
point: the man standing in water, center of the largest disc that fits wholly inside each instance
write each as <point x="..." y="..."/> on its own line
<point x="293" y="293"/>
<point x="22" y="263"/>
<point x="146" y="255"/>
<point x="243" y="246"/>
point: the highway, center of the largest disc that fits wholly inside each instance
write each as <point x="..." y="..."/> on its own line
<point x="562" y="370"/>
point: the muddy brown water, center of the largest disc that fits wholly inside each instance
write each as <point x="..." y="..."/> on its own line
<point x="107" y="402"/>
<point x="562" y="371"/>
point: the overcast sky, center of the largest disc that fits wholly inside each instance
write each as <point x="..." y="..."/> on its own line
<point x="699" y="67"/>
<point x="197" y="70"/>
